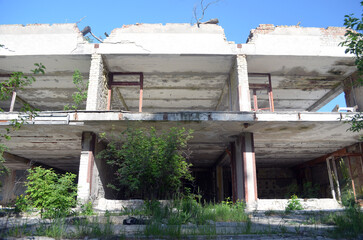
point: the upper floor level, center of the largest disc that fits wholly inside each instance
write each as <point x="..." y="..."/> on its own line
<point x="179" y="67"/>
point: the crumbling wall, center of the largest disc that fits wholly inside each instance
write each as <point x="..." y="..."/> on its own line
<point x="270" y="39"/>
<point x="233" y="95"/>
<point x="319" y="176"/>
<point x="274" y="182"/>
<point x="356" y="165"/>
<point x="353" y="92"/>
<point x="240" y="93"/>
<point x="12" y="185"/>
<point x="103" y="175"/>
<point x="39" y="39"/>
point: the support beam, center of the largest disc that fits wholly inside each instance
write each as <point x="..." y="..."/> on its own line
<point x="109" y="99"/>
<point x="249" y="166"/>
<point x="219" y="173"/>
<point x="336" y="178"/>
<point x="86" y="167"/>
<point x="233" y="172"/>
<point x="245" y="169"/>
<point x="12" y="104"/>
<point x="330" y="178"/>
<point x="22" y="101"/>
<point x="325" y="99"/>
<point x="352" y="178"/>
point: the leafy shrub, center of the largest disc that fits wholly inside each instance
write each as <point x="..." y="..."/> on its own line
<point x="293" y="204"/>
<point x="21" y="204"/>
<point x="54" y="195"/>
<point x="147" y="163"/>
<point x="87" y="209"/>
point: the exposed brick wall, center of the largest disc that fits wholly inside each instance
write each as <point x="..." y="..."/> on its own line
<point x="239" y="85"/>
<point x="97" y="89"/>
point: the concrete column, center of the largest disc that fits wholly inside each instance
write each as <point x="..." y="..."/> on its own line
<point x="86" y="167"/>
<point x="219" y="173"/>
<point x="330" y="178"/>
<point x="240" y="91"/>
<point x="245" y="168"/>
<point x="97" y="88"/>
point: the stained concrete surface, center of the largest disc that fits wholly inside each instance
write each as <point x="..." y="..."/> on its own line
<point x="264" y="225"/>
<point x="286" y="139"/>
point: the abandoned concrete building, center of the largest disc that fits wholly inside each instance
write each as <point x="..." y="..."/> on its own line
<point x="252" y="106"/>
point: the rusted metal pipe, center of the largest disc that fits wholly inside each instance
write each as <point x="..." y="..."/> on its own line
<point x="268" y="87"/>
<point x="270" y="95"/>
<point x="109" y="97"/>
<point x="255" y="104"/>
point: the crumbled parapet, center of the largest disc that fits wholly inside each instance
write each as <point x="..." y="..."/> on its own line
<point x="170" y="38"/>
<point x="264" y="29"/>
<point x="42" y="39"/>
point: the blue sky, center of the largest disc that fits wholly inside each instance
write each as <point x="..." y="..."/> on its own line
<point x="237" y="17"/>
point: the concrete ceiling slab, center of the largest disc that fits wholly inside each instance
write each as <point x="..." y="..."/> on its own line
<point x="280" y="138"/>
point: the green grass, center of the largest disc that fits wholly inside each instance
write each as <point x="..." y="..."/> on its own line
<point x="174" y="219"/>
<point x="349" y="224"/>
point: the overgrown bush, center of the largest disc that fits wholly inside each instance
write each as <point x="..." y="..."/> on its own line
<point x="347" y="194"/>
<point x="21" y="204"/>
<point x="350" y="223"/>
<point x="54" y="195"/>
<point x="149" y="164"/>
<point x="87" y="209"/>
<point x="293" y="204"/>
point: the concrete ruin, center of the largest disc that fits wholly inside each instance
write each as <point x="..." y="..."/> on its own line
<point x="252" y="106"/>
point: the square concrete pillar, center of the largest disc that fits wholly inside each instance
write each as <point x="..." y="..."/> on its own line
<point x="86" y="165"/>
<point x="240" y="91"/>
<point x="220" y="190"/>
<point x="244" y="179"/>
<point x="94" y="173"/>
<point x="97" y="88"/>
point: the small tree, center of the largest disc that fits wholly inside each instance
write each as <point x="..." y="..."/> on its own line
<point x="354" y="44"/>
<point x="81" y="95"/>
<point x="54" y="195"/>
<point x="354" y="39"/>
<point x="16" y="81"/>
<point x="147" y="163"/>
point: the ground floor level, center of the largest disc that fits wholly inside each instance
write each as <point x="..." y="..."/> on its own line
<point x="237" y="155"/>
